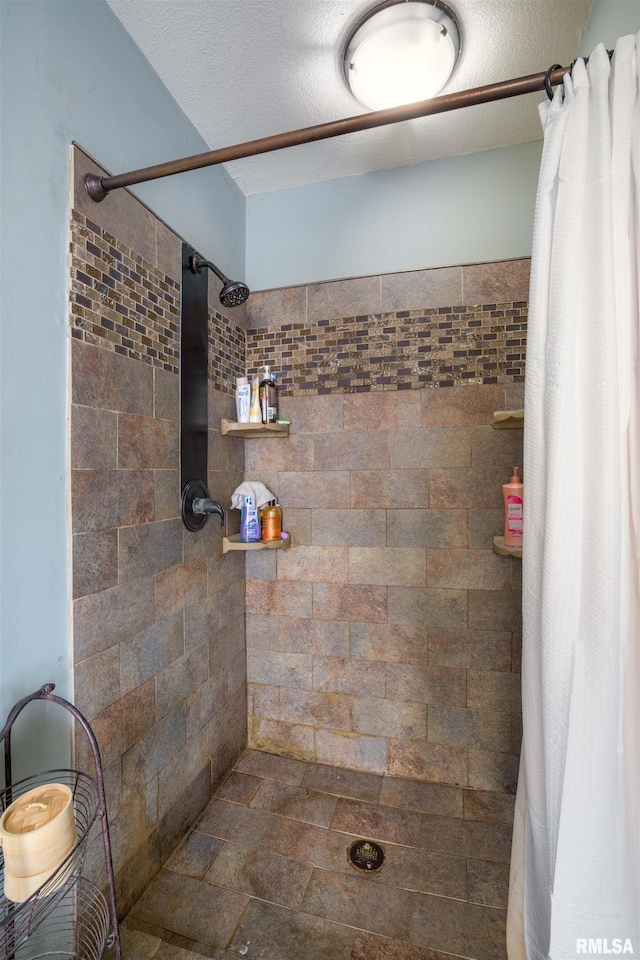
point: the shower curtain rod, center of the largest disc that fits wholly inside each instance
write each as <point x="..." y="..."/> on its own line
<point x="99" y="187"/>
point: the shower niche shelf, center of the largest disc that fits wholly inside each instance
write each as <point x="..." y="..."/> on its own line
<point x="501" y="548"/>
<point x="251" y="431"/>
<point x="235" y="543"/>
<point x="508" y="419"/>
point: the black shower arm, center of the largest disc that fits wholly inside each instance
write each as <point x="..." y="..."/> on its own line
<point x="196" y="264"/>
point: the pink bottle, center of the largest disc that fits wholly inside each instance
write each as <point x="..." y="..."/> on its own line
<point x="513" y="494"/>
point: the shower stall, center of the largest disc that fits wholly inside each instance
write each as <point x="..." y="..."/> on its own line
<point x="371" y="670"/>
<point x="311" y="752"/>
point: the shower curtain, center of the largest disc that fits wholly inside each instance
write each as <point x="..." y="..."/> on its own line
<point x="575" y="864"/>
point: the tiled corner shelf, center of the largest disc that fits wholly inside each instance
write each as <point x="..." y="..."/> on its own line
<point x="500" y="547"/>
<point x="508" y="419"/>
<point x="248" y="431"/>
<point x="234" y="543"/>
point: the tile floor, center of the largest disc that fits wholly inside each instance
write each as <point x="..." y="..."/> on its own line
<point x="264" y="873"/>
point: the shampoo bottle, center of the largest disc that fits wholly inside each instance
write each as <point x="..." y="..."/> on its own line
<point x="268" y="408"/>
<point x="513" y="494"/>
<point x="243" y="399"/>
<point x="254" y="409"/>
<point x="249" y="523"/>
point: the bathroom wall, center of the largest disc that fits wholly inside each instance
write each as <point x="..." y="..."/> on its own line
<point x="387" y="638"/>
<point x="445" y="212"/>
<point x="463" y="209"/>
<point x="158" y="613"/>
<point x="608" y="20"/>
<point x="69" y="71"/>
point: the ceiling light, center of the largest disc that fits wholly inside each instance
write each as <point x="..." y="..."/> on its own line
<point x="401" y="51"/>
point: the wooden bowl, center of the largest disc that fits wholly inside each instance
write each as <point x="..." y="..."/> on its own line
<point x="37" y="832"/>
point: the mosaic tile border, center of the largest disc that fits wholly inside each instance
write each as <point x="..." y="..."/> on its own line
<point x="123" y="303"/>
<point x="120" y="301"/>
<point x="408" y="349"/>
<point x="227" y="350"/>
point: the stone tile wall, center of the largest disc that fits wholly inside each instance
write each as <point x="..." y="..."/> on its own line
<point x="158" y="613"/>
<point x="387" y="638"/>
<point x="456" y="325"/>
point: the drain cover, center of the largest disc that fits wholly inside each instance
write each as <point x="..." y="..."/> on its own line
<point x="366" y="855"/>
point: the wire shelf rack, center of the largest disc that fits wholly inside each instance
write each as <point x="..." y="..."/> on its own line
<point x="68" y="916"/>
<point x="18" y="920"/>
<point x="77" y="928"/>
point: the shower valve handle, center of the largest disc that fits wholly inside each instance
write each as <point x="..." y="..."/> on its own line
<point x="197" y="507"/>
<point x="202" y="505"/>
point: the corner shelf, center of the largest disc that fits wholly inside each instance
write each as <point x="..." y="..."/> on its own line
<point x="508" y="419"/>
<point x="235" y="543"/>
<point x="500" y="547"/>
<point x="248" y="431"/>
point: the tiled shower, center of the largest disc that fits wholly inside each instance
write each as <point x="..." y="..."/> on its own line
<point x="372" y="670"/>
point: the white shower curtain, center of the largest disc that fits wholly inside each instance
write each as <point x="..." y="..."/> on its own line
<point x="575" y="864"/>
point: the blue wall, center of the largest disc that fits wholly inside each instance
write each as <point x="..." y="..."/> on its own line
<point x="460" y="210"/>
<point x="609" y="20"/>
<point x="69" y="72"/>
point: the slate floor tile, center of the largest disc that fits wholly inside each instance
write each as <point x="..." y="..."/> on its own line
<point x="265" y="873"/>
<point x="359" y="903"/>
<point x="467" y="838"/>
<point x="276" y="933"/>
<point x="315" y="845"/>
<point x="488" y="883"/>
<point x="453" y="926"/>
<point x="343" y="783"/>
<point x="239" y="788"/>
<point x="377" y="822"/>
<point x="261" y="874"/>
<point x="368" y="946"/>
<point x="187" y="949"/>
<point x="137" y="945"/>
<point x="421" y="870"/>
<point x="190" y="907"/>
<point x="181" y="948"/>
<point x="488" y="805"/>
<point x="297" y="803"/>
<point x="194" y="855"/>
<point x="433" y="798"/>
<point x="132" y="923"/>
<point x="231" y="821"/>
<point x="271" y="767"/>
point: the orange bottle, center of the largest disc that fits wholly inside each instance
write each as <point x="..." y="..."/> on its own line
<point x="513" y="495"/>
<point x="271" y="517"/>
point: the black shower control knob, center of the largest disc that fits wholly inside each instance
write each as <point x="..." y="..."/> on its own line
<point x="202" y="505"/>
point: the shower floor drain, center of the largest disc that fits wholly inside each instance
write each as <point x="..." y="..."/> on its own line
<point x="366" y="855"/>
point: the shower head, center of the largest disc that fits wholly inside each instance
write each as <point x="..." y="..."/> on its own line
<point x="233" y="292"/>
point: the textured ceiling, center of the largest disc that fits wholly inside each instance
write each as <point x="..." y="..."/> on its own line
<point x="243" y="69"/>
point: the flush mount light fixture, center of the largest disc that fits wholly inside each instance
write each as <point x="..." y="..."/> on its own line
<point x="401" y="51"/>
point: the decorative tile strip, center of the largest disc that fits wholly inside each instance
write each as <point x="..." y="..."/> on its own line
<point x="227" y="348"/>
<point x="122" y="303"/>
<point x="405" y="350"/>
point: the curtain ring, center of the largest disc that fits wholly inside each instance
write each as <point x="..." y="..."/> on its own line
<point x="547" y="79"/>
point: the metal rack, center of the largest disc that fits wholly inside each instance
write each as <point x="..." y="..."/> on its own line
<point x="67" y="917"/>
